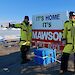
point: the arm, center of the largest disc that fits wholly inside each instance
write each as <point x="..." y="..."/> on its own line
<point x="14" y="25"/>
<point x="64" y="35"/>
<point x="65" y="30"/>
<point x="30" y="34"/>
<point x="17" y="26"/>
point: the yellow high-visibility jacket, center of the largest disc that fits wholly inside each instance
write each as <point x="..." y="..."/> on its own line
<point x="25" y="34"/>
<point x="69" y="36"/>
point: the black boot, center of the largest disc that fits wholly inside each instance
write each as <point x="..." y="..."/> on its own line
<point x="64" y="63"/>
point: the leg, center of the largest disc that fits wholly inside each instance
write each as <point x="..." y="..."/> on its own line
<point x="74" y="61"/>
<point x="24" y="53"/>
<point x="65" y="57"/>
<point x="27" y="51"/>
<point x="64" y="62"/>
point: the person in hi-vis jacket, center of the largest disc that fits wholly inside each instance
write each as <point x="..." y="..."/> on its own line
<point x="69" y="39"/>
<point x="25" y="38"/>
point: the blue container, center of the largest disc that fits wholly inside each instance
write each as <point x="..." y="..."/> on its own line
<point x="48" y="51"/>
<point x="42" y="51"/>
<point x="39" y="60"/>
<point x="39" y="52"/>
<point x="44" y="56"/>
<point x="53" y="55"/>
<point x="48" y="60"/>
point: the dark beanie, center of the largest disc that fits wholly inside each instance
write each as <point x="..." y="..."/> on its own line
<point x="26" y="17"/>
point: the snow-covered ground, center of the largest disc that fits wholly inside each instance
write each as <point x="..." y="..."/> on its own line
<point x="10" y="31"/>
<point x="8" y="35"/>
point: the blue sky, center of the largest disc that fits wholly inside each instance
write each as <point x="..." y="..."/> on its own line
<point x="15" y="10"/>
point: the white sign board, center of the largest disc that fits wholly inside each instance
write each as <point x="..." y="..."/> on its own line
<point x="49" y="21"/>
<point x="48" y="27"/>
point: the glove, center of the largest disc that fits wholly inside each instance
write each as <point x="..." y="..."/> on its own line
<point x="64" y="41"/>
<point x="26" y="43"/>
<point x="11" y="25"/>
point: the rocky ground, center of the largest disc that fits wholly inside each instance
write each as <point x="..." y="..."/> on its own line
<point x="10" y="64"/>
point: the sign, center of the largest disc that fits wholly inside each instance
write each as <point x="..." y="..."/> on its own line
<point x="48" y="27"/>
<point x="47" y="35"/>
<point x="49" y="21"/>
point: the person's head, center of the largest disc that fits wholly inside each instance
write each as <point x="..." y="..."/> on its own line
<point x="72" y="16"/>
<point x="26" y="19"/>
